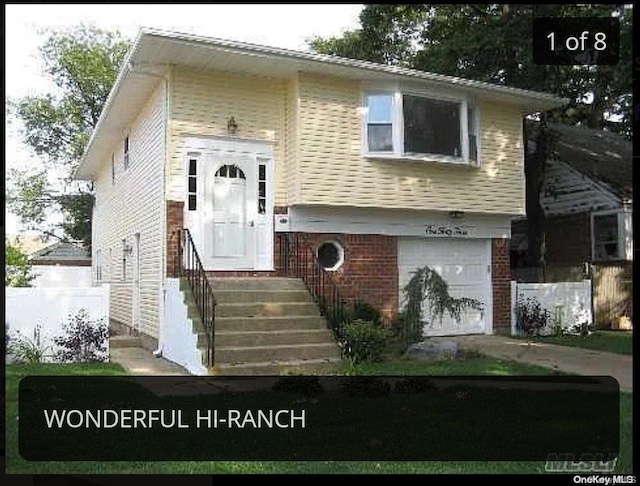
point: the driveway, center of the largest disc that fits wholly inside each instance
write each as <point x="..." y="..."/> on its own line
<point x="562" y="358"/>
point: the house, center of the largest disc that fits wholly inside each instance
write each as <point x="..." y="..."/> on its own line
<point x="62" y="264"/>
<point x="587" y="199"/>
<point x="271" y="157"/>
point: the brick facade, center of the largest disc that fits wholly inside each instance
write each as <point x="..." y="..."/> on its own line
<point x="501" y="285"/>
<point x="370" y="269"/>
<point x="175" y="222"/>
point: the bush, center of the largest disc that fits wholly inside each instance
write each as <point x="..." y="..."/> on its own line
<point x="25" y="350"/>
<point x="531" y="317"/>
<point x="364" y="311"/>
<point x="83" y="340"/>
<point x="364" y="341"/>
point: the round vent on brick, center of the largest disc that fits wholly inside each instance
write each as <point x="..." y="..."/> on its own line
<point x="330" y="255"/>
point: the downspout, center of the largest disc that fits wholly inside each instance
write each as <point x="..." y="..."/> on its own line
<point x="133" y="69"/>
<point x="163" y="290"/>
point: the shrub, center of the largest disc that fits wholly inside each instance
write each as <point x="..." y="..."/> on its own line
<point x="83" y="340"/>
<point x="364" y="311"/>
<point x="364" y="341"/>
<point x="27" y="350"/>
<point x="531" y="317"/>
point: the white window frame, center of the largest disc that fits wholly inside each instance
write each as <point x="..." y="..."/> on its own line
<point x="397" y="124"/>
<point x="126" y="151"/>
<point x="621" y="235"/>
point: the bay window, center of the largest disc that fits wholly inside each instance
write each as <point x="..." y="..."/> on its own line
<point x="416" y="126"/>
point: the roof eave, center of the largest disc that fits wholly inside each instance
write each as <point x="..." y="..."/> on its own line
<point x="84" y="170"/>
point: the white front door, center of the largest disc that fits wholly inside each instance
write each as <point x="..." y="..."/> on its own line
<point x="230" y="207"/>
<point x="229" y="201"/>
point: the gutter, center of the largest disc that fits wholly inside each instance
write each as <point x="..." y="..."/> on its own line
<point x="246" y="48"/>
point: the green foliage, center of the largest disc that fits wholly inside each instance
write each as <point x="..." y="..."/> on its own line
<point x="531" y="317"/>
<point x="84" y="339"/>
<point x="493" y="43"/>
<point x="364" y="341"/>
<point x="18" y="271"/>
<point x="26" y="350"/>
<point x="362" y="310"/>
<point x="427" y="286"/>
<point x="82" y="63"/>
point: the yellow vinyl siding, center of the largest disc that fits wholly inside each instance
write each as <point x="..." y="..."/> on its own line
<point x="333" y="171"/>
<point x="203" y="101"/>
<point x="134" y="205"/>
<point x="291" y="143"/>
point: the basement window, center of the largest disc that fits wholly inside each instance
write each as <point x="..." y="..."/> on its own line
<point x="330" y="255"/>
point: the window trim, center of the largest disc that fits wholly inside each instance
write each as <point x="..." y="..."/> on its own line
<point x="126" y="151"/>
<point x="113" y="169"/>
<point x="397" y="126"/>
<point x="620" y="219"/>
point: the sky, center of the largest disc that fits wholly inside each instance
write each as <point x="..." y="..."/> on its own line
<point x="277" y="25"/>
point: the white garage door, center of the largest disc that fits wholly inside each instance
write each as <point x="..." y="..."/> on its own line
<point x="464" y="264"/>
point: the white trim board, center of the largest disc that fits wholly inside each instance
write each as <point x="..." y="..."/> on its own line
<point x="349" y="220"/>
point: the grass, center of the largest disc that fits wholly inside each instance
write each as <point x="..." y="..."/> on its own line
<point x="619" y="342"/>
<point x="471" y="365"/>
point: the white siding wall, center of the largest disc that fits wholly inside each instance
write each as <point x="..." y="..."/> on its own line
<point x="567" y="191"/>
<point x="134" y="204"/>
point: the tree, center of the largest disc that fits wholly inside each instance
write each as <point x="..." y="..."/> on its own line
<point x="82" y="63"/>
<point x="18" y="271"/>
<point x="493" y="43"/>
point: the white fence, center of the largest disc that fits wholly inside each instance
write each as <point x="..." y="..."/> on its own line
<point x="49" y="308"/>
<point x="60" y="276"/>
<point x="568" y="303"/>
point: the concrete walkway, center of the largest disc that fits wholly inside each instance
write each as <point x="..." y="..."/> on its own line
<point x="562" y="358"/>
<point x="139" y="361"/>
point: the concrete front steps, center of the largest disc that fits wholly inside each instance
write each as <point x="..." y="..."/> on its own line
<point x="268" y="326"/>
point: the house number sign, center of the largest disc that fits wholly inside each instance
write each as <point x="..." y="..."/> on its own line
<point x="445" y="230"/>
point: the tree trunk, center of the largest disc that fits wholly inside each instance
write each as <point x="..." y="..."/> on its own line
<point x="535" y="164"/>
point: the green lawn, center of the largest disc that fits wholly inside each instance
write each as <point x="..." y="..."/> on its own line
<point x="475" y="365"/>
<point x="620" y="342"/>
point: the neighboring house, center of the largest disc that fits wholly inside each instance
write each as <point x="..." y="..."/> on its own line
<point x="27" y="242"/>
<point x="62" y="264"/>
<point x="587" y="199"/>
<point x="380" y="169"/>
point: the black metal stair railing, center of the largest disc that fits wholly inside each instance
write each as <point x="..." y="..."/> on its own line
<point x="190" y="270"/>
<point x="297" y="259"/>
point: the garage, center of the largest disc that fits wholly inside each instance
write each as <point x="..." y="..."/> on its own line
<point x="464" y="264"/>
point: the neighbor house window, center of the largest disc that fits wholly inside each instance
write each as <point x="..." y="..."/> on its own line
<point x="192" y="183"/>
<point x="418" y="126"/>
<point x="607" y="231"/>
<point x="126" y="152"/>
